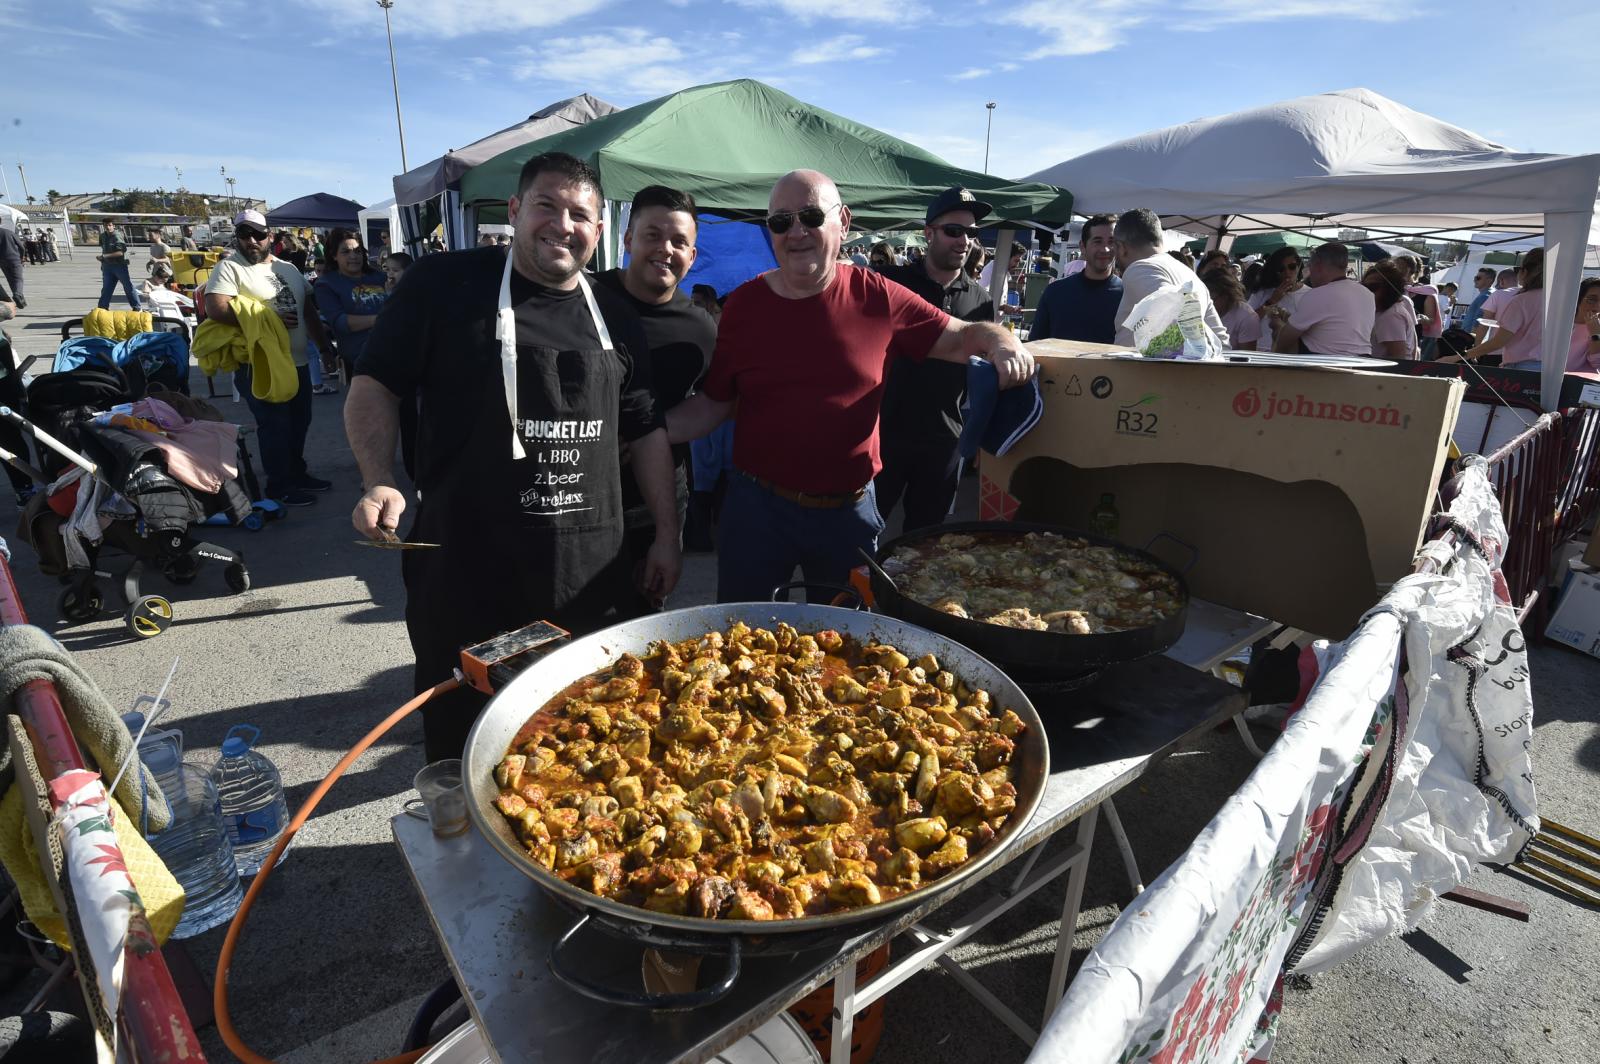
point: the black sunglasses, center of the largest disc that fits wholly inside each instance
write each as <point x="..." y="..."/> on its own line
<point x="250" y="234"/>
<point x="955" y="231"/>
<point x="810" y="217"/>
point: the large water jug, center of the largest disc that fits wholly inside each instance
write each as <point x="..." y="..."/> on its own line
<point x="161" y="750"/>
<point x="253" y="805"/>
<point x="197" y="852"/>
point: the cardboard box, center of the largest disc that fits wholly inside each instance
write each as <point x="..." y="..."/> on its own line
<point x="1591" y="554"/>
<point x="1576" y="621"/>
<point x="1304" y="492"/>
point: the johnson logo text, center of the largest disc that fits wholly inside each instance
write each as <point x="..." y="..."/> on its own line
<point x="1249" y="403"/>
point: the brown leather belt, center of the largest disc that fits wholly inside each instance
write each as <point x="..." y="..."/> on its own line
<point x="806" y="499"/>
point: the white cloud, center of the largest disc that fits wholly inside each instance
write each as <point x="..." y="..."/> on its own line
<point x="886" y="11"/>
<point x="447" y="19"/>
<point x="1091" y="26"/>
<point x="836" y="49"/>
<point x="973" y="73"/>
<point x="628" y="59"/>
<point x="1205" y="14"/>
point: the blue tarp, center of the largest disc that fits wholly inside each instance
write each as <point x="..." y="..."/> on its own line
<point x="729" y="254"/>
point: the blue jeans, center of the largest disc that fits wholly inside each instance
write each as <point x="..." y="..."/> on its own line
<point x="761" y="538"/>
<point x="111" y="274"/>
<point x="280" y="433"/>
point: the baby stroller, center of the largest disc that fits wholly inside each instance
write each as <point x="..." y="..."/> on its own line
<point x="102" y="472"/>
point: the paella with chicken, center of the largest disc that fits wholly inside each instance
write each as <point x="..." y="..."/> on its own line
<point x="1039" y="581"/>
<point x="758" y="774"/>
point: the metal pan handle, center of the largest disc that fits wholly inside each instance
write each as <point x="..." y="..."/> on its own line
<point x="872" y="563"/>
<point x="692" y="999"/>
<point x="1194" y="552"/>
<point x="849" y="593"/>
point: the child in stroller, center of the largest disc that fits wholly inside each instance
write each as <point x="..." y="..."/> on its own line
<point x="124" y="466"/>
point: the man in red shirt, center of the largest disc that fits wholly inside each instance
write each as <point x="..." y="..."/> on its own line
<point x="803" y="351"/>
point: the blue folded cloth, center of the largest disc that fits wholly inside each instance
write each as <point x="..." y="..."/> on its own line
<point x="995" y="420"/>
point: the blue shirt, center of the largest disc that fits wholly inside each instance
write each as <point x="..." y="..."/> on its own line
<point x="1078" y="308"/>
<point x="1471" y="320"/>
<point x="339" y="296"/>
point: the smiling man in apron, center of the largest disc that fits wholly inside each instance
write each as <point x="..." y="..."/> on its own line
<point x="529" y="378"/>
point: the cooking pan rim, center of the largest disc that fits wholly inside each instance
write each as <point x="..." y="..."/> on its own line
<point x="1062" y="650"/>
<point x="477" y="761"/>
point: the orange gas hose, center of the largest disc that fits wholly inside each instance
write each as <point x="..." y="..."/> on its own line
<point x="219" y="993"/>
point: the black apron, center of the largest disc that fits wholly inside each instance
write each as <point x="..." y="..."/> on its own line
<point x="536" y="537"/>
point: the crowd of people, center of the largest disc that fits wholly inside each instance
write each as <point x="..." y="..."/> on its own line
<point x="1318" y="304"/>
<point x="558" y="427"/>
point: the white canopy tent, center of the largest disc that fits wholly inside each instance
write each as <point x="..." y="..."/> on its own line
<point x="1352" y="159"/>
<point x="11" y="218"/>
<point x="438" y="183"/>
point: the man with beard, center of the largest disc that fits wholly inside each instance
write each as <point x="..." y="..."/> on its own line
<point x="660" y="242"/>
<point x="530" y="380"/>
<point x="921" y="420"/>
<point x="250" y="270"/>
<point x="1083" y="306"/>
<point x="803" y="350"/>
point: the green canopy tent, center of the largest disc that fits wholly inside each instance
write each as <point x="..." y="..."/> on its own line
<point x="727" y="144"/>
<point x="1263" y="244"/>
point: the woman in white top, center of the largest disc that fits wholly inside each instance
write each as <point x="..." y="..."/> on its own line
<point x="1277" y="293"/>
<point x="1394" y="329"/>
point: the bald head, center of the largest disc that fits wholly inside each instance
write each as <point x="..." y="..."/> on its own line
<point x="808" y="223"/>
<point x="814" y="188"/>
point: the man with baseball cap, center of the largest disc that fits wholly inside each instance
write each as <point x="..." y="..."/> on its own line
<point x="921" y="419"/>
<point x="250" y="270"/>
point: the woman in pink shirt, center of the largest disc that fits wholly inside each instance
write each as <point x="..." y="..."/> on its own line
<point x="1227" y="292"/>
<point x="1521" y="321"/>
<point x="1584" y="354"/>
<point x="1394" y="329"/>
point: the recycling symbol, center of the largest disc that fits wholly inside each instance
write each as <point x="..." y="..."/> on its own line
<point x="1074" y="386"/>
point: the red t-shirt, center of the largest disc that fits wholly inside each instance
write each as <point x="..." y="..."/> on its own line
<point x="808" y="375"/>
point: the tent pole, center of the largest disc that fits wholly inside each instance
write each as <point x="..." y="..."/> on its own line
<point x="1002" y="262"/>
<point x="1566" y="237"/>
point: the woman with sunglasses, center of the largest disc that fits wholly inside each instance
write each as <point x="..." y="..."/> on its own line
<point x="1277" y="293"/>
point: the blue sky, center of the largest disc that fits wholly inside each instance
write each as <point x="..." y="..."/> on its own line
<point x="293" y="96"/>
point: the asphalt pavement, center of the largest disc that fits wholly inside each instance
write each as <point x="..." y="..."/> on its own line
<point x="338" y="952"/>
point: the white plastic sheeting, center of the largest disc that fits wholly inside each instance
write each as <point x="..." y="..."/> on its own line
<point x="1405" y="768"/>
<point x="1351" y="158"/>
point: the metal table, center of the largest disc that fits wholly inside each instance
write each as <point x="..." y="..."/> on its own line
<point x="497" y="927"/>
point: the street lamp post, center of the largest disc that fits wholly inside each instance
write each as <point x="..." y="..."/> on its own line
<point x="394" y="78"/>
<point x="987" y="130"/>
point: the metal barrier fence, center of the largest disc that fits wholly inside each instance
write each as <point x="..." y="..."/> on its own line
<point x="153" y="1016"/>
<point x="1527" y="476"/>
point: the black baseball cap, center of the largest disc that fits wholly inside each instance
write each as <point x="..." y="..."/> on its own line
<point x="957" y="199"/>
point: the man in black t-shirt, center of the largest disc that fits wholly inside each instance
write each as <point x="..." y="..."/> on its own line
<point x="1083" y="306"/>
<point x="660" y="242"/>
<point x="530" y="379"/>
<point x="920" y="423"/>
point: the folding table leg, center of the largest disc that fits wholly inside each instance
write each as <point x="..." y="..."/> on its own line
<point x="1083" y="837"/>
<point x="1129" y="864"/>
<point x="844" y="1014"/>
<point x="1249" y="740"/>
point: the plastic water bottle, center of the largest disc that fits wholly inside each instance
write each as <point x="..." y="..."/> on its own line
<point x="196" y="850"/>
<point x="161" y="750"/>
<point x="1196" y="337"/>
<point x="252" y="798"/>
